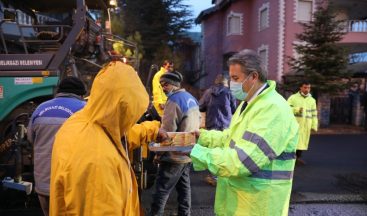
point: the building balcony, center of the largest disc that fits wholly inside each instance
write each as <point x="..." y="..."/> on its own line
<point x="355" y="39"/>
<point x="355" y="14"/>
<point x="356" y="26"/>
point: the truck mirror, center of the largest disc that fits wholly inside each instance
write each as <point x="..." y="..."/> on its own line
<point x="10" y="15"/>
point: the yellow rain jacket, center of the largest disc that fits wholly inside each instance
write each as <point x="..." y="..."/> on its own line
<point x="90" y="171"/>
<point x="159" y="97"/>
<point x="140" y="135"/>
<point x="307" y="119"/>
<point x="254" y="158"/>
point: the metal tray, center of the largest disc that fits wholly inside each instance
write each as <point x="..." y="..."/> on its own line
<point x="156" y="147"/>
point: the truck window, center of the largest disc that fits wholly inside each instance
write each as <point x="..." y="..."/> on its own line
<point x="10" y="15"/>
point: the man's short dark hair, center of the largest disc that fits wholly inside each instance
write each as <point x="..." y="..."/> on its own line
<point x="72" y="85"/>
<point x="304" y="82"/>
<point x="250" y="62"/>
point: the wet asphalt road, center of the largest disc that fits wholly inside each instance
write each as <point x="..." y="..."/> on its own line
<point x="331" y="161"/>
<point x="332" y="183"/>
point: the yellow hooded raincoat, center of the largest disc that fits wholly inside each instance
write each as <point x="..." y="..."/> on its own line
<point x="90" y="170"/>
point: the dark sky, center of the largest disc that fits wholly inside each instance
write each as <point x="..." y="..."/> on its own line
<point x="197" y="7"/>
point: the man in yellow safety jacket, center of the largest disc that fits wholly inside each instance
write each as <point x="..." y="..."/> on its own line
<point x="159" y="97"/>
<point x="91" y="173"/>
<point x="305" y="111"/>
<point x="254" y="158"/>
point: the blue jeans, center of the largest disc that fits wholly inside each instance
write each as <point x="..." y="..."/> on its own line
<point x="172" y="175"/>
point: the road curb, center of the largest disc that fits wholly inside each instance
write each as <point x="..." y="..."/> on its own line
<point x="313" y="198"/>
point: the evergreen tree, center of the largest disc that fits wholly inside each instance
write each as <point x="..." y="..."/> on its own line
<point x="159" y="22"/>
<point x="320" y="60"/>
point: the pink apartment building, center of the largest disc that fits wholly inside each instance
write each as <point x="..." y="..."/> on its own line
<point x="269" y="27"/>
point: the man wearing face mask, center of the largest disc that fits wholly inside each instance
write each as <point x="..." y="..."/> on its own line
<point x="181" y="114"/>
<point x="254" y="158"/>
<point x="305" y="111"/>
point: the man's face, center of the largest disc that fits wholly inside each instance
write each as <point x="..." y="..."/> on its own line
<point x="305" y="89"/>
<point x="168" y="67"/>
<point x="236" y="75"/>
<point x="354" y="87"/>
<point x="167" y="87"/>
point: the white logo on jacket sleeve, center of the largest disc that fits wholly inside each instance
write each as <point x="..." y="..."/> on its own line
<point x="54" y="108"/>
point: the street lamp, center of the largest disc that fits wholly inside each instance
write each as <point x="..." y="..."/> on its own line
<point x="109" y="20"/>
<point x="113" y="3"/>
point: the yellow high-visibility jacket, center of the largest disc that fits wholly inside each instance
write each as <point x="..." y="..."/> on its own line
<point x="254" y="158"/>
<point x="307" y="120"/>
<point x="159" y="97"/>
<point x="90" y="171"/>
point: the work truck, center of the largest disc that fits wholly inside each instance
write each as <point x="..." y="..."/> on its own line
<point x="42" y="42"/>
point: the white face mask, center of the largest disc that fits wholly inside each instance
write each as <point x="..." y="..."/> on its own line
<point x="305" y="95"/>
<point x="169" y="93"/>
<point x="237" y="91"/>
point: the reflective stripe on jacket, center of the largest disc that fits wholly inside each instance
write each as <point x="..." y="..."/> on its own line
<point x="90" y="171"/>
<point x="159" y="97"/>
<point x="307" y="120"/>
<point x="253" y="159"/>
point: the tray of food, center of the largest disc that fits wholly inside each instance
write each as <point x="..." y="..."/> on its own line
<point x="178" y="141"/>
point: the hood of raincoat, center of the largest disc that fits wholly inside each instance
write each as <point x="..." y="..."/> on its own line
<point x="90" y="170"/>
<point x="117" y="99"/>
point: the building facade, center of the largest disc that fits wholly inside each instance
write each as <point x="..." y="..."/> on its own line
<point x="270" y="28"/>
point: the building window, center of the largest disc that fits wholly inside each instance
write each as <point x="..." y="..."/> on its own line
<point x="263" y="52"/>
<point x="20" y="18"/>
<point x="226" y="57"/>
<point x="234" y="24"/>
<point x="23" y="19"/>
<point x="304" y="10"/>
<point x="40" y="19"/>
<point x="27" y="20"/>
<point x="264" y="16"/>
